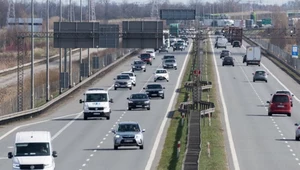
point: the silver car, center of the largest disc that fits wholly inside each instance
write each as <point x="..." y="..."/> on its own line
<point x="128" y="134"/>
<point x="260" y="75"/>
<point x="123" y="81"/>
<point x="169" y="63"/>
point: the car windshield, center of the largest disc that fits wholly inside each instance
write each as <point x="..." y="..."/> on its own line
<point x="139" y="96"/>
<point x="280" y="99"/>
<point x="283" y="92"/>
<point x="138" y="62"/>
<point x="98" y="97"/>
<point x="161" y="71"/>
<point x="260" y="72"/>
<point x="228" y="58"/>
<point x="123" y="77"/>
<point x="145" y="56"/>
<point x="32" y="149"/>
<point x="225" y="52"/>
<point x="149" y="51"/>
<point x="168" y="57"/>
<point x="129" y="128"/>
<point x="154" y="86"/>
<point x="129" y="74"/>
<point x="170" y="61"/>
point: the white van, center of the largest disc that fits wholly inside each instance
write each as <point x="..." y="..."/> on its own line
<point x="96" y="103"/>
<point x="151" y="52"/>
<point x="222" y="43"/>
<point x="33" y="150"/>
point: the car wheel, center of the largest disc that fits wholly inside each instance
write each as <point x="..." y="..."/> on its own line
<point x="132" y="70"/>
<point x="115" y="147"/>
<point x="150" y="64"/>
<point x="108" y="117"/>
<point x="148" y="108"/>
<point x="175" y="68"/>
<point x="85" y="117"/>
<point x="292" y="105"/>
<point x="167" y="80"/>
<point x="247" y="64"/>
<point x="134" y="84"/>
<point x="130" y="88"/>
<point x="222" y="64"/>
<point x="144" y="70"/>
<point x="232" y="65"/>
<point x="266" y="81"/>
<point x="116" y="88"/>
<point x="289" y="114"/>
<point x="162" y="97"/>
<point x="142" y="147"/>
<point x="154" y="80"/>
<point x="297" y="138"/>
<point x="253" y="80"/>
<point x="269" y="114"/>
<point x="129" y="108"/>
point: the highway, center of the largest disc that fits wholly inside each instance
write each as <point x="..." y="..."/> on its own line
<point x="88" y="144"/>
<point x="255" y="140"/>
<point x="10" y="79"/>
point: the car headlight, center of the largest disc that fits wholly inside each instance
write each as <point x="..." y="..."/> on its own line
<point x="133" y="66"/>
<point x="106" y="109"/>
<point x="86" y="107"/>
<point x="161" y="92"/>
<point x="130" y="102"/>
<point x="138" y="136"/>
<point x="147" y="101"/>
<point x="47" y="165"/>
<point x="117" y="136"/>
<point x="16" y="165"/>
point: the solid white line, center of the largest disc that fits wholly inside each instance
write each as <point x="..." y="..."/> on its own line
<point x="227" y="123"/>
<point x="65" y="127"/>
<point x="164" y="122"/>
<point x="34" y="123"/>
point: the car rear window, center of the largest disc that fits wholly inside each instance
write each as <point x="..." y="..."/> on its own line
<point x="280" y="99"/>
<point x="260" y="72"/>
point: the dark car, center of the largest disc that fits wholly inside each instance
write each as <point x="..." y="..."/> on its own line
<point x="236" y="44"/>
<point x="178" y="47"/>
<point x="280" y="104"/>
<point x="138" y="65"/>
<point x="146" y="57"/>
<point x="138" y="100"/>
<point x="224" y="53"/>
<point x="228" y="61"/>
<point x="155" y="90"/>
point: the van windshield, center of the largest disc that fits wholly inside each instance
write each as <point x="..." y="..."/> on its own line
<point x="32" y="149"/>
<point x="280" y="99"/>
<point x="98" y="97"/>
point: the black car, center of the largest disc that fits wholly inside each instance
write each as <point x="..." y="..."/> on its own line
<point x="236" y="44"/>
<point x="178" y="47"/>
<point x="228" y="61"/>
<point x="138" y="100"/>
<point x="155" y="90"/>
<point x="224" y="53"/>
<point x="138" y="65"/>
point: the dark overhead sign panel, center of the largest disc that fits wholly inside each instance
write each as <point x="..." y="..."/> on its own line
<point x="178" y="14"/>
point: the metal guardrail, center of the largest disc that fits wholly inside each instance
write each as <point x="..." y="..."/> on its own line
<point x="269" y="55"/>
<point x="38" y="110"/>
<point x="37" y="62"/>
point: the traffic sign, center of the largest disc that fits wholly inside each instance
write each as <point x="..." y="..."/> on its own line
<point x="197" y="72"/>
<point x="295" y="51"/>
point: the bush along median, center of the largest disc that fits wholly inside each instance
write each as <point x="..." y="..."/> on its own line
<point x="212" y="154"/>
<point x="177" y="131"/>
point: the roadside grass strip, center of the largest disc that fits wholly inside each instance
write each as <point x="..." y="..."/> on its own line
<point x="213" y="134"/>
<point x="176" y="132"/>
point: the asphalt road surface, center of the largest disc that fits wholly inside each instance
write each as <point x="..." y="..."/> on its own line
<point x="260" y="142"/>
<point x="12" y="78"/>
<point x="89" y="144"/>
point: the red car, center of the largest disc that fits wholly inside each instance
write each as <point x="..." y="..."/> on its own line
<point x="147" y="58"/>
<point x="286" y="92"/>
<point x="280" y="104"/>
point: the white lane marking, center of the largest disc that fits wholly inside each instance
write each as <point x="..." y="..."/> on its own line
<point x="2" y="158"/>
<point x="163" y="124"/>
<point x="98" y="146"/>
<point x="104" y="138"/>
<point x="101" y="142"/>
<point x="83" y="164"/>
<point x="286" y="142"/>
<point x="106" y="135"/>
<point x="10" y="147"/>
<point x="87" y="160"/>
<point x="277" y="79"/>
<point x="91" y="155"/>
<point x="227" y="122"/>
<point x="288" y="146"/>
<point x="294" y="154"/>
<point x="297" y="159"/>
<point x="94" y="150"/>
<point x="291" y="150"/>
<point x="65" y="127"/>
<point x="34" y="123"/>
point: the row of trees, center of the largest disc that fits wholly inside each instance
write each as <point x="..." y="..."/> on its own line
<point x="107" y="9"/>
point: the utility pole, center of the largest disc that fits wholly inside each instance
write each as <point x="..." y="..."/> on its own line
<point x="80" y="52"/>
<point x="60" y="50"/>
<point x="32" y="54"/>
<point x="70" y="51"/>
<point x="88" y="50"/>
<point x="47" y="55"/>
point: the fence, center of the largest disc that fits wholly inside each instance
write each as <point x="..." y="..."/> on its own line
<point x="9" y="99"/>
<point x="278" y="52"/>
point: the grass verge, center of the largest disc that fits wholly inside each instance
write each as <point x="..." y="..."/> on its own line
<point x="176" y="132"/>
<point x="214" y="133"/>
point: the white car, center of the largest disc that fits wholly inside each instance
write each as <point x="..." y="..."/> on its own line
<point x="131" y="75"/>
<point x="151" y="52"/>
<point x="297" y="134"/>
<point x="161" y="74"/>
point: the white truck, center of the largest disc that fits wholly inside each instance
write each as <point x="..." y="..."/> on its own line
<point x="253" y="56"/>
